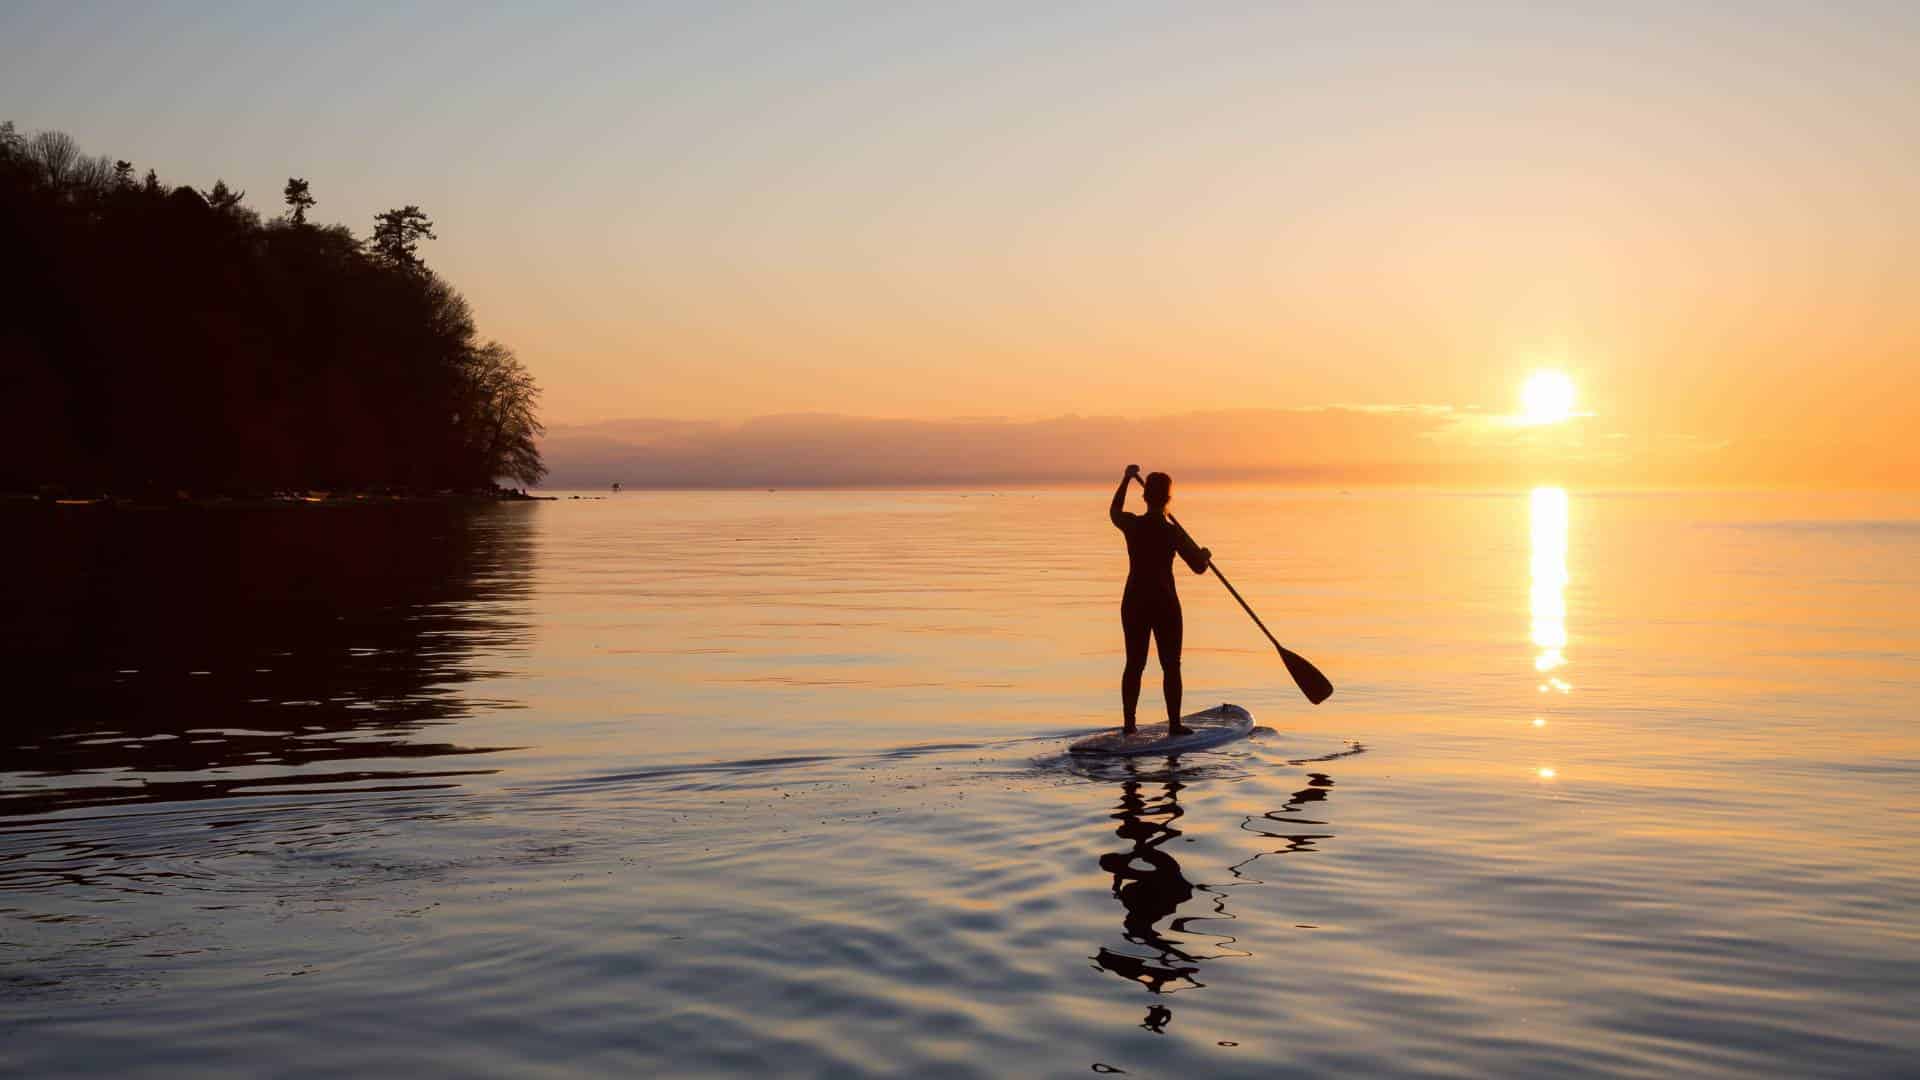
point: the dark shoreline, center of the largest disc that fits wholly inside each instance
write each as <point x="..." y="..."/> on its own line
<point x="259" y="502"/>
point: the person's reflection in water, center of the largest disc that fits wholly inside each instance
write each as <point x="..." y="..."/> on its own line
<point x="1148" y="883"/>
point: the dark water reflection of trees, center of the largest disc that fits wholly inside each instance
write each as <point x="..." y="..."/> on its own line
<point x="189" y="654"/>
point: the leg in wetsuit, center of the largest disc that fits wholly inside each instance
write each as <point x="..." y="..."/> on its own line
<point x="1141" y="615"/>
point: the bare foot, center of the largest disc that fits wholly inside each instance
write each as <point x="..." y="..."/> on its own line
<point x="1178" y="728"/>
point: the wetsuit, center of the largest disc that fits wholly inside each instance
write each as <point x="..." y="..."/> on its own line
<point x="1150" y="605"/>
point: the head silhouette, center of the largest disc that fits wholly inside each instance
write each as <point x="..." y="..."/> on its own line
<point x="1159" y="491"/>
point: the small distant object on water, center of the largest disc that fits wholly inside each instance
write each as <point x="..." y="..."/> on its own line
<point x="616" y="487"/>
<point x="1218" y="725"/>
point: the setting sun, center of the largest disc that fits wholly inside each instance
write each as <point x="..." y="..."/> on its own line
<point x="1547" y="398"/>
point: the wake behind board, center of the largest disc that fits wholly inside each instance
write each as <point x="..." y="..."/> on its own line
<point x="1220" y="724"/>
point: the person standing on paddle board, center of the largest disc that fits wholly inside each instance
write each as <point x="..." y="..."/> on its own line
<point x="1150" y="607"/>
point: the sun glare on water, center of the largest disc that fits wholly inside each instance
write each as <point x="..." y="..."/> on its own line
<point x="1547" y="398"/>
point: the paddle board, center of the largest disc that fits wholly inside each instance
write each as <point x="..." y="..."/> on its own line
<point x="1220" y="724"/>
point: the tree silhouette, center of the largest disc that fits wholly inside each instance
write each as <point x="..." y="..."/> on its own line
<point x="229" y="205"/>
<point x="158" y="339"/>
<point x="505" y="422"/>
<point x="299" y="200"/>
<point x="397" y="235"/>
<point x="55" y="152"/>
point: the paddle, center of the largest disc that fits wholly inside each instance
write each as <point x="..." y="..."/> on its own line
<point x="1305" y="675"/>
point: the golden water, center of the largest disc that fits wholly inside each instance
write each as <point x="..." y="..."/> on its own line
<point x="769" y="782"/>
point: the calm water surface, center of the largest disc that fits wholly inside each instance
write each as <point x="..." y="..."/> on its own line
<point x="736" y="783"/>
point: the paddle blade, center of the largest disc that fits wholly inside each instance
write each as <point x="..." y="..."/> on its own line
<point x="1307" y="677"/>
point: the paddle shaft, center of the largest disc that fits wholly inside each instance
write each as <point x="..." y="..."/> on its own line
<point x="1211" y="565"/>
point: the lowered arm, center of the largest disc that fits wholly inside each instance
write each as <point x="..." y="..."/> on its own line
<point x="1197" y="557"/>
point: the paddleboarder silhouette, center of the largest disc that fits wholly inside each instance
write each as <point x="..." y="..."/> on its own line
<point x="1150" y="605"/>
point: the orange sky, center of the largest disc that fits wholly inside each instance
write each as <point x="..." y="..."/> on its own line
<point x="1709" y="218"/>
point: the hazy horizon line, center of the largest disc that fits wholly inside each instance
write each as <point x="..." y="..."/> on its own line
<point x="1321" y="446"/>
<point x="1215" y="483"/>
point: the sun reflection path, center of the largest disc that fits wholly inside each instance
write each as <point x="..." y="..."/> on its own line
<point x="1548" y="603"/>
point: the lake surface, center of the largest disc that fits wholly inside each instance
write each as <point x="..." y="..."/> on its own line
<point x="752" y="782"/>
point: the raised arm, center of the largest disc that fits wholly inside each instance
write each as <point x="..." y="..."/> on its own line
<point x="1118" y="510"/>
